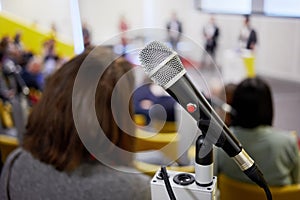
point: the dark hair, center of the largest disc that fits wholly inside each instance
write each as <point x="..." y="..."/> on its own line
<point x="3" y="47"/>
<point x="247" y="18"/>
<point x="51" y="135"/>
<point x="253" y="103"/>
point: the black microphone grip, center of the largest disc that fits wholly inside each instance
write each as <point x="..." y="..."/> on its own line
<point x="185" y="93"/>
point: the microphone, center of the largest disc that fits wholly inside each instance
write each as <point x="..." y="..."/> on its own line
<point x="164" y="67"/>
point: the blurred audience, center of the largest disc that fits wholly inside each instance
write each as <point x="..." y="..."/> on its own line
<point x="14" y="91"/>
<point x="22" y="77"/>
<point x="54" y="159"/>
<point x="31" y="72"/>
<point x="275" y="151"/>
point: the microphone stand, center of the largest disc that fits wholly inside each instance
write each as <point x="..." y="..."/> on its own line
<point x="203" y="164"/>
<point x="179" y="185"/>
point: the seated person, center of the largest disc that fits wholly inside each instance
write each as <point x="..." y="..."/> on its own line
<point x="150" y="94"/>
<point x="275" y="151"/>
<point x="54" y="161"/>
<point x="31" y="72"/>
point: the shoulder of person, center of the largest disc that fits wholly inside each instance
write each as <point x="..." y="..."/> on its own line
<point x="289" y="137"/>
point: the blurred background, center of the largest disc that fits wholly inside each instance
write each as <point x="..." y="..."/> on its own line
<point x="129" y="25"/>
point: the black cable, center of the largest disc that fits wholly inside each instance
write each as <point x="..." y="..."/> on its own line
<point x="167" y="183"/>
<point x="268" y="193"/>
<point x="256" y="176"/>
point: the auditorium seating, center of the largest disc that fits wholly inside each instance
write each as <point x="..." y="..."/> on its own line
<point x="7" y="145"/>
<point x="231" y="189"/>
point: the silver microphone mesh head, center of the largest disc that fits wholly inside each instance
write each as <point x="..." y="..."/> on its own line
<point x="161" y="64"/>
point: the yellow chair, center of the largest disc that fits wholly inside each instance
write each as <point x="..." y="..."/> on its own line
<point x="6" y="115"/>
<point x="168" y="126"/>
<point x="147" y="140"/>
<point x="7" y="145"/>
<point x="151" y="169"/>
<point x="249" y="63"/>
<point x="235" y="190"/>
<point x="167" y="143"/>
<point x="140" y="119"/>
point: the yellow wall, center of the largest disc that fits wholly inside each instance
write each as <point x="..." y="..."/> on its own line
<point x="32" y="37"/>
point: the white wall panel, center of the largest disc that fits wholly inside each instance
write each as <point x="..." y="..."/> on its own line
<point x="279" y="38"/>
<point x="44" y="13"/>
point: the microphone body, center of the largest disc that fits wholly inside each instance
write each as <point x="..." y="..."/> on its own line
<point x="164" y="67"/>
<point x="185" y="93"/>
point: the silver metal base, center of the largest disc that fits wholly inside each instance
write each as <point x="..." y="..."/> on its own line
<point x="182" y="192"/>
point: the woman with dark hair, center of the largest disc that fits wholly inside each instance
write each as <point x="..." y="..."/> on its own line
<point x="275" y="151"/>
<point x="56" y="160"/>
<point x="253" y="102"/>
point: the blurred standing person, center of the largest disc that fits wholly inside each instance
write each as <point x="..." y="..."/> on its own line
<point x="123" y="27"/>
<point x="17" y="41"/>
<point x="211" y="34"/>
<point x="53" y="31"/>
<point x="174" y="27"/>
<point x="86" y="36"/>
<point x="247" y="43"/>
<point x="51" y="58"/>
<point x="248" y="36"/>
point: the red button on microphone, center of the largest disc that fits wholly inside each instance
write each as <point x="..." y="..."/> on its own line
<point x="190" y="107"/>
